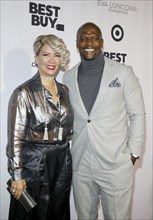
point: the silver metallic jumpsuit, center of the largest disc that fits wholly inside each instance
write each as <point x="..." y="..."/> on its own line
<point x="45" y="163"/>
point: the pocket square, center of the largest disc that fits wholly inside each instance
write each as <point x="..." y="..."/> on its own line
<point x="115" y="83"/>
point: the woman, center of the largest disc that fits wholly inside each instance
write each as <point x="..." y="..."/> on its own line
<point x="40" y="120"/>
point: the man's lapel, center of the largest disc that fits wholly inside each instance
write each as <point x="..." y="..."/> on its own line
<point x="77" y="100"/>
<point x="106" y="79"/>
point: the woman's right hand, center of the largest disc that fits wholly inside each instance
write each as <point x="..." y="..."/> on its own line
<point x="17" y="187"/>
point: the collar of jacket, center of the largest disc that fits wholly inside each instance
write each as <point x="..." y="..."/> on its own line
<point x="36" y="85"/>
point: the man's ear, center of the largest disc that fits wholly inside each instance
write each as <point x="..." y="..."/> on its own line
<point x="76" y="44"/>
<point x="102" y="43"/>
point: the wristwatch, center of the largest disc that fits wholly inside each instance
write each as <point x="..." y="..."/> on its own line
<point x="135" y="156"/>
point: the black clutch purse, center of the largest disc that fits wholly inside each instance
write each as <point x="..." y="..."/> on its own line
<point x="25" y="199"/>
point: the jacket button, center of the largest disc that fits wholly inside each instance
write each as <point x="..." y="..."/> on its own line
<point x="89" y="121"/>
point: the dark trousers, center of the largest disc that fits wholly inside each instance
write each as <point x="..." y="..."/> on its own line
<point x="52" y="189"/>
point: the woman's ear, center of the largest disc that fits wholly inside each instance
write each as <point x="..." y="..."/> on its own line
<point x="36" y="59"/>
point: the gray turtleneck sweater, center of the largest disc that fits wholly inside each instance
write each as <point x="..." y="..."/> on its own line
<point x="89" y="79"/>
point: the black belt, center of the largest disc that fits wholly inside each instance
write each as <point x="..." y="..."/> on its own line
<point x="48" y="143"/>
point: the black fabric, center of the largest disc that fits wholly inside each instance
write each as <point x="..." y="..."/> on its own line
<point x="48" y="172"/>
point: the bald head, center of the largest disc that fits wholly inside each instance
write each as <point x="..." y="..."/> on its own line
<point x="89" y="25"/>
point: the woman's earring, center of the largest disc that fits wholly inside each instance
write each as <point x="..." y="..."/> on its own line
<point x="34" y="64"/>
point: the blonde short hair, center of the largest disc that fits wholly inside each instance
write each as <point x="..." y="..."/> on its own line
<point x="56" y="44"/>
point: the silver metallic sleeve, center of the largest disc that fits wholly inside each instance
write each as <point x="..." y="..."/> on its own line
<point x="17" y="122"/>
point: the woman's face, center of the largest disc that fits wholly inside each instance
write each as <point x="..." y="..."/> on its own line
<point x="48" y="61"/>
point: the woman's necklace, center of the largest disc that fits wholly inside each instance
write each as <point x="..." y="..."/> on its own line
<point x="60" y="128"/>
<point x="50" y="85"/>
<point x="45" y="137"/>
<point x="48" y="78"/>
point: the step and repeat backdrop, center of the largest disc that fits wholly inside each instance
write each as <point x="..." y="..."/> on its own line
<point x="127" y="33"/>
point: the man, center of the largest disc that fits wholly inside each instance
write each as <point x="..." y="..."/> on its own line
<point x="109" y="120"/>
